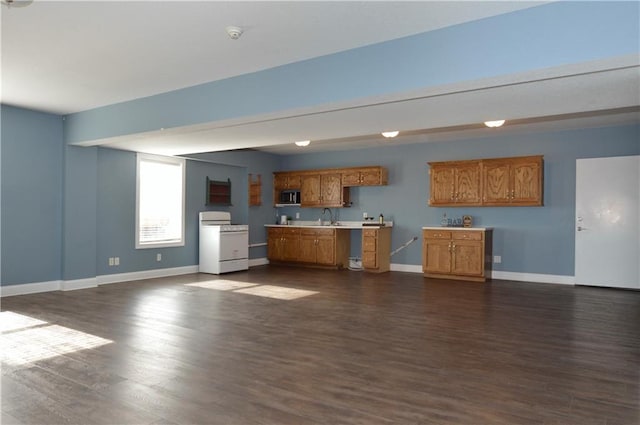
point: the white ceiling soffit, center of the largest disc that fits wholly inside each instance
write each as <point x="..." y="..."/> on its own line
<point x="586" y="93"/>
<point x="69" y="56"/>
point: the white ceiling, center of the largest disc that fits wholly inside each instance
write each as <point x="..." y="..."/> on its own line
<point x="69" y="56"/>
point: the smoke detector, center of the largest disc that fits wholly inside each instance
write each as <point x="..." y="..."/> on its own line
<point x="234" y="32"/>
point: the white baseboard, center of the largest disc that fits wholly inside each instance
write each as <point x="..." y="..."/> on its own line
<point x="30" y="288"/>
<point x="72" y="285"/>
<point x="145" y="274"/>
<point x="534" y="277"/>
<point x="69" y="285"/>
<point x="520" y="277"/>
<point x="408" y="268"/>
<point x="253" y="262"/>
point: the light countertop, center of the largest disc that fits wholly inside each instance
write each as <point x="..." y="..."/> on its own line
<point x="339" y="225"/>
<point x="456" y="228"/>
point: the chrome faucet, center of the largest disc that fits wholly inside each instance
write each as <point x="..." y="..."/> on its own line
<point x="330" y="215"/>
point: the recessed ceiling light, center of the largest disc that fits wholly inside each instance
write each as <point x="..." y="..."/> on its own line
<point x="389" y="134"/>
<point x="303" y="143"/>
<point x="493" y="124"/>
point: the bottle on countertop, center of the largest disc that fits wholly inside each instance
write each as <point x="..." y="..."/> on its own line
<point x="381" y="219"/>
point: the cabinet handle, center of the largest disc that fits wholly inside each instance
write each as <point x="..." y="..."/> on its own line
<point x="513" y="194"/>
<point x="453" y="248"/>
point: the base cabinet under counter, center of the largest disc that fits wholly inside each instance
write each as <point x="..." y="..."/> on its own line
<point x="376" y="249"/>
<point x="308" y="246"/>
<point x="457" y="253"/>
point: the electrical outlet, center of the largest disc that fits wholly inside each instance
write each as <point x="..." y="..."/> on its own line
<point x="297" y="215"/>
<point x="111" y="261"/>
<point x="497" y="259"/>
<point x="364" y="215"/>
<point x="158" y="257"/>
<point x="116" y="261"/>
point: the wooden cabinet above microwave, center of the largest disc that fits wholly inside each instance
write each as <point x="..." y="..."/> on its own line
<point x="327" y="187"/>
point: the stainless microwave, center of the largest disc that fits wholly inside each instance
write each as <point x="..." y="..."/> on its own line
<point x="290" y="197"/>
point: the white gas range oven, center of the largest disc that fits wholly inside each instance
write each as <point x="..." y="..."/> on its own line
<point x="224" y="247"/>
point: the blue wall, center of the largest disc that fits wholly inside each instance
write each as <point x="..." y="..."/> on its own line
<point x="529" y="239"/>
<point x="67" y="209"/>
<point x="549" y="35"/>
<point x="31" y="190"/>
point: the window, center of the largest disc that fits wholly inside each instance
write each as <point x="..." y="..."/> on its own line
<point x="159" y="201"/>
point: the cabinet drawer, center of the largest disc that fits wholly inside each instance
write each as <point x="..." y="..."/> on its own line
<point x="290" y="232"/>
<point x="436" y="234"/>
<point x="370" y="233"/>
<point x="369" y="244"/>
<point x="467" y="236"/>
<point x="325" y="232"/>
<point x="369" y="260"/>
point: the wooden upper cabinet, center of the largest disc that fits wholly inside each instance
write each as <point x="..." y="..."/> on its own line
<point x="513" y="181"/>
<point x="364" y="176"/>
<point x="467" y="183"/>
<point x="323" y="190"/>
<point x="455" y="183"/>
<point x="286" y="181"/>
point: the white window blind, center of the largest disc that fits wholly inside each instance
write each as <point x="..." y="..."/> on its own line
<point x="160" y="201"/>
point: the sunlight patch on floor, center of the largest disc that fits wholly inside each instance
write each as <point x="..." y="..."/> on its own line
<point x="10" y="321"/>
<point x="222" y="285"/>
<point x="278" y="292"/>
<point x="269" y="291"/>
<point x="21" y="344"/>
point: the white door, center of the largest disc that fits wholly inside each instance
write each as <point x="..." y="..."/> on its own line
<point x="607" y="222"/>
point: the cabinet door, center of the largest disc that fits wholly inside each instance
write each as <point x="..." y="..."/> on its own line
<point x="526" y="181"/>
<point x="274" y="244"/>
<point x="442" y="185"/>
<point x="351" y="178"/>
<point x="294" y="181"/>
<point x="331" y="190"/>
<point x="308" y="247"/>
<point x="310" y="190"/>
<point x="495" y="182"/>
<point x="467" y="258"/>
<point x="467" y="183"/>
<point x="371" y="177"/>
<point x="326" y="248"/>
<point x="291" y="244"/>
<point x="436" y="256"/>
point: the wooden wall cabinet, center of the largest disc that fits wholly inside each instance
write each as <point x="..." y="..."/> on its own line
<point x="327" y="187"/>
<point x="323" y="190"/>
<point x="456" y="183"/>
<point x="515" y="181"/>
<point x="286" y="181"/>
<point x="311" y="246"/>
<point x="364" y="176"/>
<point x="457" y="254"/>
<point x="376" y="249"/>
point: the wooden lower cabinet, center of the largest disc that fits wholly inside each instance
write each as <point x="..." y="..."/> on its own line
<point x="463" y="254"/>
<point x="283" y="244"/>
<point x="376" y="249"/>
<point x="311" y="246"/>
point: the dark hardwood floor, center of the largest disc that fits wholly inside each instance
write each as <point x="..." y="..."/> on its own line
<point x="393" y="348"/>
